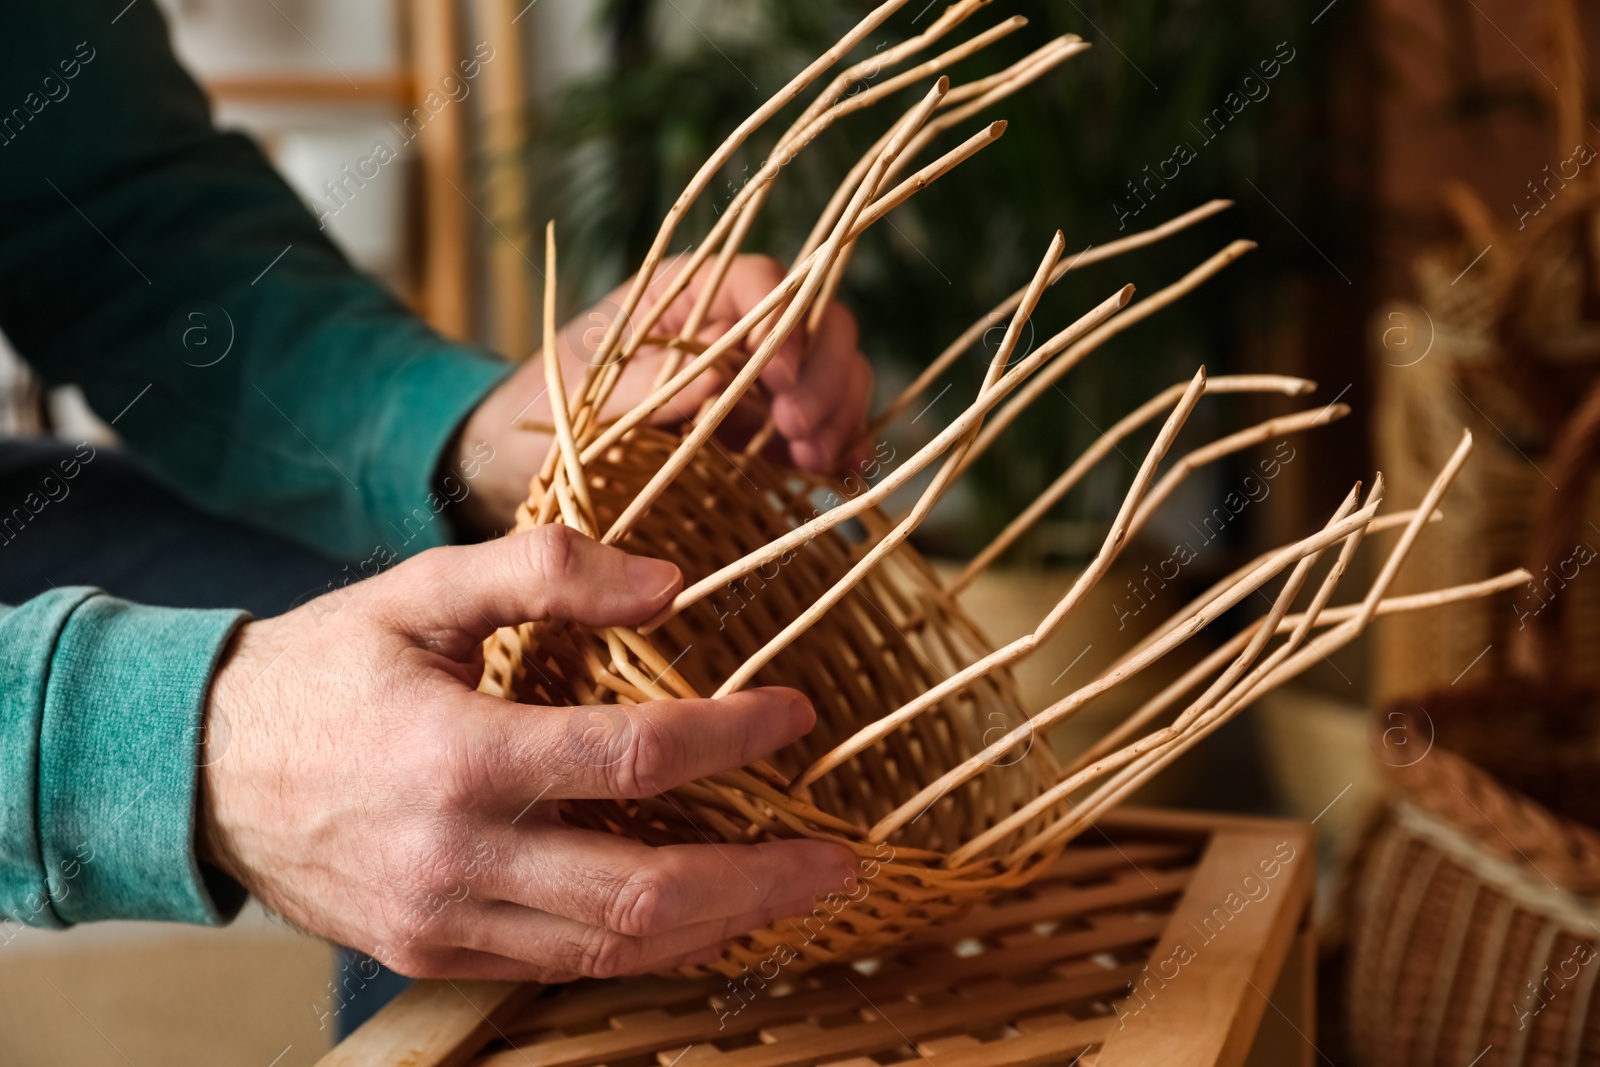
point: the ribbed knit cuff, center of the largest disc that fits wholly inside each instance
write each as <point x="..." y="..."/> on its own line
<point x="118" y="764"/>
<point x="28" y="636"/>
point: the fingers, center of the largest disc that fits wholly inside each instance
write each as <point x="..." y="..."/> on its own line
<point x="750" y="279"/>
<point x="452" y="598"/>
<point x="621" y="885"/>
<point x="589" y="904"/>
<point x="565" y="949"/>
<point x="836" y="440"/>
<point x="825" y="411"/>
<point x="520" y="752"/>
<point x="822" y="387"/>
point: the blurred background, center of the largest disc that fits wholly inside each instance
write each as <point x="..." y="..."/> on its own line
<point x="1414" y="171"/>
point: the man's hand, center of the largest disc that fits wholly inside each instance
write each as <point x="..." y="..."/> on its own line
<point x="821" y="386"/>
<point x="357" y="784"/>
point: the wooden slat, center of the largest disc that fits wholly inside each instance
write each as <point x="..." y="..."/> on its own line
<point x="1085" y="861"/>
<point x="506" y="178"/>
<point x="1115" y="932"/>
<point x="1057" y="1045"/>
<point x="599" y="1000"/>
<point x="587" y="1001"/>
<point x="442" y="150"/>
<point x="1208" y="1012"/>
<point x="1288" y="1033"/>
<point x="432" y="1024"/>
<point x="1129" y="889"/>
<point x="898" y="1021"/>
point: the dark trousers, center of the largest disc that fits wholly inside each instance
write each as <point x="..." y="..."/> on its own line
<point x="111" y="526"/>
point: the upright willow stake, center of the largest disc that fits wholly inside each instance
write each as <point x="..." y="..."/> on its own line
<point x="925" y="502"/>
<point x="705" y="426"/>
<point x="1108" y="442"/>
<point x="708" y="169"/>
<point x="1110" y="548"/>
<point x="1090" y="255"/>
<point x="580" y="515"/>
<point x="878" y="493"/>
<point x="642" y="411"/>
<point x="736" y="218"/>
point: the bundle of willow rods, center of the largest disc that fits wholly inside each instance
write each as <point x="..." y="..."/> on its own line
<point x="904" y="765"/>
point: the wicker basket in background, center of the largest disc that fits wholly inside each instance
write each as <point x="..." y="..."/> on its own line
<point x="1504" y="337"/>
<point x="1475" y="902"/>
<point x="1420" y="412"/>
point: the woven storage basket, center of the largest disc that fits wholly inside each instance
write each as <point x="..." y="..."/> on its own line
<point x="1476" y="895"/>
<point x="1503" y="340"/>
<point x="923" y="760"/>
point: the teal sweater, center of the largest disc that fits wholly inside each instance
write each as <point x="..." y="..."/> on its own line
<point x="122" y="210"/>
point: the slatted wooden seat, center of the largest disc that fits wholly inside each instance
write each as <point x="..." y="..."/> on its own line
<point x="1156" y="939"/>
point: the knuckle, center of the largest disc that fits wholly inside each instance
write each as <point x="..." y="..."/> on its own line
<point x="443" y="762"/>
<point x="410" y="960"/>
<point x="794" y="418"/>
<point x="436" y="880"/>
<point x="641" y="906"/>
<point x="553" y="552"/>
<point x="604" y="954"/>
<point x="647" y="759"/>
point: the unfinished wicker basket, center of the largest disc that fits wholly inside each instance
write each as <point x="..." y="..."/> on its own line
<point x="923" y="759"/>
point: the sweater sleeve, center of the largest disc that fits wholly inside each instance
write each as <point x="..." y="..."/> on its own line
<point x="100" y="713"/>
<point x="165" y="267"/>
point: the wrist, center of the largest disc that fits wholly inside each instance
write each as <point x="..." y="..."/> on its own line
<point x="228" y="741"/>
<point x="491" y="462"/>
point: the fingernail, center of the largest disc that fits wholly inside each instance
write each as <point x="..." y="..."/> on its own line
<point x="650" y="579"/>
<point x="801" y="711"/>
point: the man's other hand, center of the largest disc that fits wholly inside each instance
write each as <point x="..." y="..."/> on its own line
<point x="820" y="385"/>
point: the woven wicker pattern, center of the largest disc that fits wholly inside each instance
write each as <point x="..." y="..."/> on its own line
<point x="1451" y="954"/>
<point x="923" y="760"/>
<point x="1421" y="410"/>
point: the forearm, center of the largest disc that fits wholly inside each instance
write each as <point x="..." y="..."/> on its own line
<point x="101" y="703"/>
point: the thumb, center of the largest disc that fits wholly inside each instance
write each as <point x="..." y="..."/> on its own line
<point x="454" y="597"/>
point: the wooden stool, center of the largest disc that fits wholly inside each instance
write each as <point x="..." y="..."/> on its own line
<point x="1156" y="939"/>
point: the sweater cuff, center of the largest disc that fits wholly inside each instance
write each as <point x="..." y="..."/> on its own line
<point x="118" y="764"/>
<point x="407" y="479"/>
<point x="28" y="633"/>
